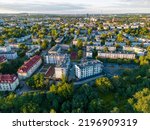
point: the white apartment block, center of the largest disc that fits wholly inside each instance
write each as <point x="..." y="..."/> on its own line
<point x="139" y="51"/>
<point x="89" y="54"/>
<point x="88" y="69"/>
<point x="56" y="58"/>
<point x="9" y="55"/>
<point x="32" y="51"/>
<point x="116" y="55"/>
<point x="8" y="82"/>
<point x="29" y="67"/>
<point x="5" y="48"/>
<point x="55" y="49"/>
<point x="91" y="47"/>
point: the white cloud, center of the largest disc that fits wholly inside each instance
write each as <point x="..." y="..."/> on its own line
<point x="75" y="6"/>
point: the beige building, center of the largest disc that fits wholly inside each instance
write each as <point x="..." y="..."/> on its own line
<point x="8" y="82"/>
<point x="29" y="67"/>
<point x="116" y="55"/>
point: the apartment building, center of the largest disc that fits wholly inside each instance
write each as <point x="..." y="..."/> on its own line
<point x="116" y="55"/>
<point x="88" y="68"/>
<point x="29" y="67"/>
<point x="8" y="82"/>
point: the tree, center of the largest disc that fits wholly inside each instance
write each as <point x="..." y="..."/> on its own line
<point x="54" y="33"/>
<point x="103" y="84"/>
<point x="52" y="110"/>
<point x="23" y="46"/>
<point x="120" y="38"/>
<point x="65" y="90"/>
<point x="106" y="49"/>
<point x="53" y="89"/>
<point x="80" y="54"/>
<point x="37" y="81"/>
<point x="141" y="101"/>
<point x="128" y="43"/>
<point x="2" y="42"/>
<point x="79" y="44"/>
<point x="30" y="108"/>
<point x="96" y="105"/>
<point x="89" y="31"/>
<point x="66" y="107"/>
<point x="44" y="44"/>
<point x="115" y="110"/>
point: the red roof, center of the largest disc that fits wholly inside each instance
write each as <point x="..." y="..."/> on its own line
<point x="2" y="59"/>
<point x="7" y="78"/>
<point x="74" y="55"/>
<point x="50" y="72"/>
<point x="29" y="64"/>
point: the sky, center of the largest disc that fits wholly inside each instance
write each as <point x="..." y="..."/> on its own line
<point x="75" y="6"/>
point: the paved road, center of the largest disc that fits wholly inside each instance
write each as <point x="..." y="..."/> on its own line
<point x="24" y="88"/>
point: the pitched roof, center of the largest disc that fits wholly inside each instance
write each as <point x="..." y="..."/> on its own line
<point x="7" y="78"/>
<point x="29" y="64"/>
<point x="2" y="59"/>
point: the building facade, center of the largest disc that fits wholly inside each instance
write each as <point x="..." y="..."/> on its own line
<point x="88" y="69"/>
<point x="116" y="55"/>
<point x="32" y="52"/>
<point x="60" y="72"/>
<point x="29" y="67"/>
<point x="3" y="59"/>
<point x="9" y="55"/>
<point x="56" y="58"/>
<point x="8" y="82"/>
<point x="5" y="48"/>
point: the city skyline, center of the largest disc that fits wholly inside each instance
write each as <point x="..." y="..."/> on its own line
<point x="75" y="7"/>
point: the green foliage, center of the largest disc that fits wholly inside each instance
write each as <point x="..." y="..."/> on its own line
<point x="79" y="44"/>
<point x="64" y="90"/>
<point x="89" y="31"/>
<point x="103" y="84"/>
<point x="54" y="33"/>
<point x="30" y="108"/>
<point x="95" y="53"/>
<point x="120" y="38"/>
<point x="12" y="66"/>
<point x="96" y="105"/>
<point x="80" y="54"/>
<point x="141" y="101"/>
<point x="37" y="81"/>
<point x="44" y="44"/>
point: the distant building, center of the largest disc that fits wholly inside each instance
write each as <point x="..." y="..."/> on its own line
<point x="22" y="39"/>
<point x="89" y="54"/>
<point x="55" y="49"/>
<point x="56" y="58"/>
<point x="59" y="40"/>
<point x="98" y="48"/>
<point x="32" y="52"/>
<point x="5" y="49"/>
<point x="8" y="82"/>
<point x="9" y="55"/>
<point x="88" y="69"/>
<point x="29" y="67"/>
<point x="116" y="55"/>
<point x="139" y="51"/>
<point x="3" y="59"/>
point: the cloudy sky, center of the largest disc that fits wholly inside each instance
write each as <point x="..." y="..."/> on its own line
<point x="74" y="6"/>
